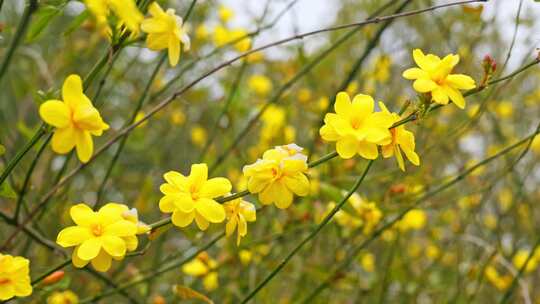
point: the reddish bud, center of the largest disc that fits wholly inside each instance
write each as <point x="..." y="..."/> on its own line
<point x="398" y="189"/>
<point x="53" y="277"/>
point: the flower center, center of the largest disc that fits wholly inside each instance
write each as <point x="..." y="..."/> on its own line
<point x="97" y="230"/>
<point x="194" y="192"/>
<point x="4" y="281"/>
<point x="275" y="172"/>
<point x="356" y="123"/>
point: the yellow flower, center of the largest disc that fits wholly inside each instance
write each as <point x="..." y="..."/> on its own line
<point x="239" y="212"/>
<point x="100" y="236"/>
<point x="434" y="77"/>
<point x="225" y="13"/>
<point x="355" y="127"/>
<point x="165" y="31"/>
<point x="500" y="282"/>
<point x="521" y="256"/>
<point x="126" y="10"/>
<point x="278" y="175"/>
<point x="260" y="84"/>
<point x="74" y="118"/>
<point x="203" y="266"/>
<point x="63" y="297"/>
<point x="367" y="215"/>
<point x="223" y="36"/>
<point x="413" y="220"/>
<point x="192" y="197"/>
<point x="367" y="261"/>
<point x="402" y="140"/>
<point x="14" y="277"/>
<point x="198" y="136"/>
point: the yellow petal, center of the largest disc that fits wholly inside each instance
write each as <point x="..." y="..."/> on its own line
<point x="347" y="147"/>
<point x="215" y="187"/>
<point x="73" y="236"/>
<point x="283" y="197"/>
<point x="299" y="184"/>
<point x="174" y="50"/>
<point x="210" y="210"/>
<point x="87" y="118"/>
<point x="424" y="85"/>
<point x="55" y="113"/>
<point x="102" y="262"/>
<point x="114" y="246"/>
<point x="439" y="96"/>
<point x="343" y="103"/>
<point x="72" y="92"/>
<point x="89" y="249"/>
<point x="78" y="262"/>
<point x="63" y="140"/>
<point x="84" y="144"/>
<point x="202" y="223"/>
<point x="455" y="96"/>
<point x="182" y="219"/>
<point x="82" y="215"/>
<point x="460" y="81"/>
<point x="177" y="179"/>
<point x="230" y="227"/>
<point x="414" y="73"/>
<point x="155" y="10"/>
<point x="368" y="150"/>
<point x="121" y="228"/>
<point x="198" y="174"/>
<point x="166" y="204"/>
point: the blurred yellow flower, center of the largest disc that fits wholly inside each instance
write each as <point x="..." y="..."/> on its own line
<point x="356" y="128"/>
<point x="14" y="277"/>
<point x="225" y="13"/>
<point x="203" y="266"/>
<point x="260" y="84"/>
<point x="367" y="260"/>
<point x="63" y="297"/>
<point x="99" y="237"/>
<point x="433" y="76"/>
<point x="279" y="174"/>
<point x="126" y="10"/>
<point x="192" y="197"/>
<point x="223" y="36"/>
<point x="402" y="140"/>
<point x="413" y="220"/>
<point x="178" y="117"/>
<point x="239" y="212"/>
<point x="198" y="136"/>
<point x="500" y="282"/>
<point x="75" y="120"/>
<point x="521" y="256"/>
<point x="165" y="31"/>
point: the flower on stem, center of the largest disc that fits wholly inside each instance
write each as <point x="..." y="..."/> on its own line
<point x="402" y="140"/>
<point x="433" y="76"/>
<point x="165" y="31"/>
<point x="126" y="10"/>
<point x="192" y="197"/>
<point x="14" y="277"/>
<point x="223" y="36"/>
<point x="239" y="212"/>
<point x="279" y="174"/>
<point x="355" y="127"/>
<point x="99" y="236"/>
<point x="75" y="120"/>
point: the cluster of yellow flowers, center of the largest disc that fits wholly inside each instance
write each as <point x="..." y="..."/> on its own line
<point x="103" y="235"/>
<point x="356" y="126"/>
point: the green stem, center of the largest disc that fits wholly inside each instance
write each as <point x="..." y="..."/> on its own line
<point x="11" y="165"/>
<point x="310" y="236"/>
<point x="21" y="30"/>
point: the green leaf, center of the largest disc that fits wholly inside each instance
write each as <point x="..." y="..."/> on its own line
<point x="76" y="23"/>
<point x="42" y="18"/>
<point x="6" y="190"/>
<point x="2" y="150"/>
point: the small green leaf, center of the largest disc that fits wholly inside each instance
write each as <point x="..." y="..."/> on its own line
<point x="76" y="23"/>
<point x="2" y="150"/>
<point x="6" y="190"/>
<point x="42" y="18"/>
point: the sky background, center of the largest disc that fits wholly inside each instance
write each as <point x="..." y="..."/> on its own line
<point x="316" y="14"/>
